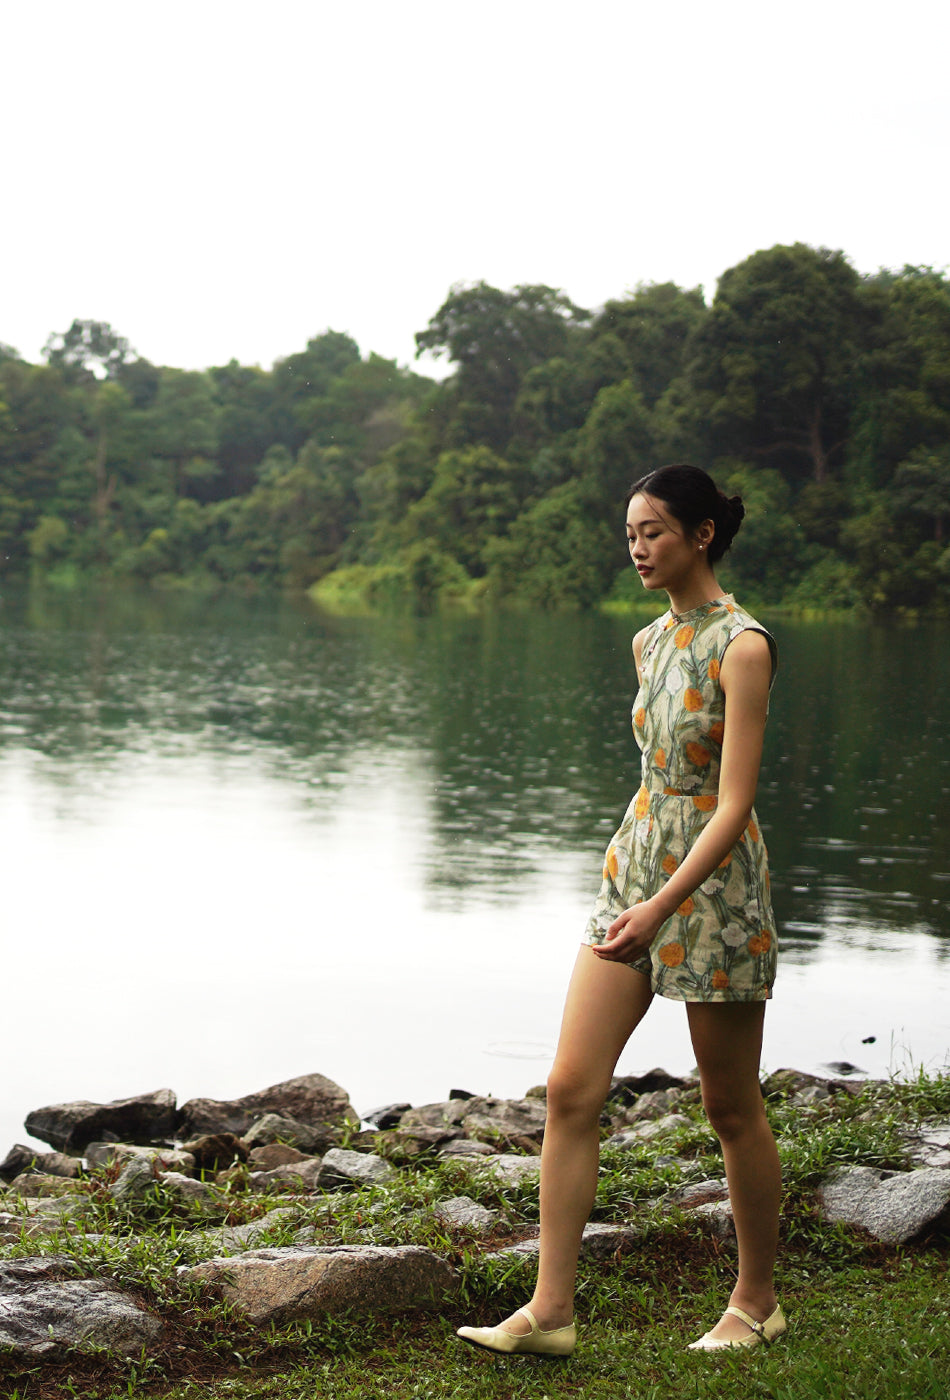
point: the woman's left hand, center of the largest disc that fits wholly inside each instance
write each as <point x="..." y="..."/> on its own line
<point x="632" y="933"/>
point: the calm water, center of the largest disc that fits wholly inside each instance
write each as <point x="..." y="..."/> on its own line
<point x="245" y="841"/>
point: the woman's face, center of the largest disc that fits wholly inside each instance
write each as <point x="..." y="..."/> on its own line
<point x="662" y="552"/>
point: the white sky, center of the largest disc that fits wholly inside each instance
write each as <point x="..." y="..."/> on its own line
<point x="218" y="178"/>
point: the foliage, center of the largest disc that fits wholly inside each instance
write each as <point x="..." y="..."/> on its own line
<point x="821" y="396"/>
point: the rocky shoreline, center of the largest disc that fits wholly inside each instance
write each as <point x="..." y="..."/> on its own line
<point x="225" y="1179"/>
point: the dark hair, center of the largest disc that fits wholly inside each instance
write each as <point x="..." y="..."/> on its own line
<point x="693" y="497"/>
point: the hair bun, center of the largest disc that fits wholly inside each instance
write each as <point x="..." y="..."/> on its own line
<point x="738" y="507"/>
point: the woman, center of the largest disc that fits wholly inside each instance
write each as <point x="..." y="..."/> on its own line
<point x="683" y="911"/>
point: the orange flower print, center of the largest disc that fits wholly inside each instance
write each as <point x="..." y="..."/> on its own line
<point x="760" y="943"/>
<point x="705" y="802"/>
<point x="684" y="636"/>
<point x="672" y="954"/>
<point x="717" y="731"/>
<point x="726" y="860"/>
<point x="669" y="864"/>
<point x="712" y="670"/>
<point x="687" y="907"/>
<point x="720" y="980"/>
<point x="642" y="805"/>
<point x="639" y="718"/>
<point x="610" y="864"/>
<point x="659" y="758"/>
<point x="753" y="830"/>
<point x="697" y="754"/>
<point x="693" y="699"/>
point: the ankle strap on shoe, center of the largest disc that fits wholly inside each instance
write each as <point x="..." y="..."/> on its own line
<point x="757" y="1327"/>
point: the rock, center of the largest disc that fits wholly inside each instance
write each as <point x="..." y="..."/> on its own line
<point x="388" y="1116"/>
<point x="137" y="1178"/>
<point x="505" y="1122"/>
<point x="23" y="1159"/>
<point x="600" y="1240"/>
<point x="930" y="1146"/>
<point x="190" y="1191"/>
<point x="461" y="1212"/>
<point x="406" y="1144"/>
<point x="349" y="1169"/>
<point x="273" y="1154"/>
<point x="172" y="1159"/>
<point x="508" y="1169"/>
<point x="627" y="1089"/>
<point x="466" y="1147"/>
<point x="715" y="1218"/>
<point x="894" y="1208"/>
<point x="39" y="1184"/>
<point x="644" y="1132"/>
<point x="45" y="1310"/>
<point x="815" y="1093"/>
<point x="698" y="1193"/>
<point x="652" y="1105"/>
<point x="436" y="1115"/>
<point x="304" y="1175"/>
<point x="273" y="1127"/>
<point x="238" y="1238"/>
<point x="212" y="1152"/>
<point x="69" y="1127"/>
<point x="537" y="1091"/>
<point x="303" y="1281"/>
<point x="311" y="1099"/>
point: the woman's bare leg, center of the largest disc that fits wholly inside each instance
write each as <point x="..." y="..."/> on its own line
<point x="605" y="1003"/>
<point x="727" y="1040"/>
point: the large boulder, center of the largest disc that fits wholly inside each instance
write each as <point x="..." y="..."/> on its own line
<point x="507" y="1123"/>
<point x="26" y="1159"/>
<point x="892" y="1207"/>
<point x="306" y="1281"/>
<point x="311" y="1099"/>
<point x="345" y="1169"/>
<point x="70" y="1127"/>
<point x="45" y="1310"/>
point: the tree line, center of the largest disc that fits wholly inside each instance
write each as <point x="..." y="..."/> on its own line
<point x="820" y="395"/>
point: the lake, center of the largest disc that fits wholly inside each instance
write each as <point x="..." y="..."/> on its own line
<point x="246" y="840"/>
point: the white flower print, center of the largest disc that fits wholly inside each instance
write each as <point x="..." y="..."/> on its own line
<point x="734" y="935"/>
<point x="711" y="886"/>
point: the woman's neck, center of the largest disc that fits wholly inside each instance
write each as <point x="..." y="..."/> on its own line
<point x="694" y="592"/>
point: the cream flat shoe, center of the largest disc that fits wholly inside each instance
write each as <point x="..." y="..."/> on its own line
<point x="558" y="1342"/>
<point x="766" y="1331"/>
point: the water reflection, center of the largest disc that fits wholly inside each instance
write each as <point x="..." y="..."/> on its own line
<point x="394" y="810"/>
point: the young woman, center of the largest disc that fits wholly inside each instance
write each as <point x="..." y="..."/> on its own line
<point x="684" y="911"/>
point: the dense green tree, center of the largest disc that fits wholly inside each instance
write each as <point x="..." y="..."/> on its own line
<point x="654" y="328"/>
<point x="89" y="349"/>
<point x="561" y="552"/>
<point x="774" y="360"/>
<point x="473" y="497"/>
<point x="494" y="338"/>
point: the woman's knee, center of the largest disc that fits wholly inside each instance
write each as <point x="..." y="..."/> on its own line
<point x="572" y="1093"/>
<point x="731" y="1115"/>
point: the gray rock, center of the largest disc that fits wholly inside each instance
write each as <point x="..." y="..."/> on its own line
<point x="45" y="1310"/>
<point x="311" y="1099"/>
<point x="70" y="1127"/>
<point x="171" y="1159"/>
<point x="215" y="1151"/>
<point x="274" y="1128"/>
<point x="235" y="1239"/>
<point x="303" y="1175"/>
<point x="600" y="1240"/>
<point x="24" y="1159"/>
<point x="348" y="1169"/>
<point x="930" y="1146"/>
<point x="652" y="1105"/>
<point x="507" y="1169"/>
<point x="190" y="1191"/>
<point x="716" y="1219"/>
<point x="462" y="1212"/>
<point x="508" y="1122"/>
<point x="894" y="1208"/>
<point x="466" y="1147"/>
<point x="643" y="1132"/>
<point x="39" y="1184"/>
<point x="815" y="1093"/>
<point x="308" y="1281"/>
<point x="388" y="1116"/>
<point x="698" y="1193"/>
<point x="136" y="1179"/>
<point x="448" y="1114"/>
<point x="628" y="1088"/>
<point x="405" y="1144"/>
<point x="271" y="1155"/>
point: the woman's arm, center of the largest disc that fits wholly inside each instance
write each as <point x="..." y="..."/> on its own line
<point x="745" y="678"/>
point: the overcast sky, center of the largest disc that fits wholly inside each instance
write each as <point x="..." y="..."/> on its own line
<point x="226" y="179"/>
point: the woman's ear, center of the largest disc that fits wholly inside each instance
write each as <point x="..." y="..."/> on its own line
<point x="705" y="533"/>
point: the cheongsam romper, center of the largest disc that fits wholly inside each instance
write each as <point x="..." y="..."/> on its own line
<point x="720" y="945"/>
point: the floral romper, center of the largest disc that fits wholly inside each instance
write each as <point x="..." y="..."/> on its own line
<point x="720" y="945"/>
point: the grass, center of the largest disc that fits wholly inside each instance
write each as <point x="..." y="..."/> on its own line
<point x="866" y="1320"/>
